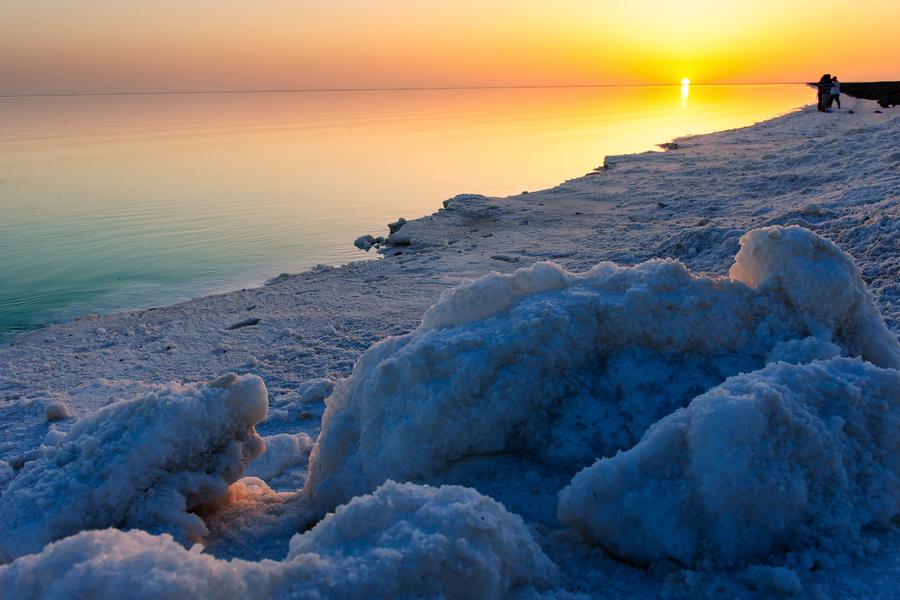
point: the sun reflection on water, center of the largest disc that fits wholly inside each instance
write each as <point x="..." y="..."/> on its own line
<point x="685" y="90"/>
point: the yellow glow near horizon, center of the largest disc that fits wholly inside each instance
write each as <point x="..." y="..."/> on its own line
<point x="104" y="45"/>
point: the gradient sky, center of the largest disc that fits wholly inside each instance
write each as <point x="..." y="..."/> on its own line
<point x="59" y="46"/>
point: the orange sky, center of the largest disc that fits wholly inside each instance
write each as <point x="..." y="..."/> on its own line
<point x="51" y="46"/>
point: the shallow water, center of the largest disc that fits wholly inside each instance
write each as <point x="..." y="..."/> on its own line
<point x="112" y="202"/>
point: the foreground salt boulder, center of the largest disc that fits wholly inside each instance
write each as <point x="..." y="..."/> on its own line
<point x="408" y="540"/>
<point x="788" y="457"/>
<point x="402" y="541"/>
<point x="823" y="284"/>
<point x="138" y="463"/>
<point x="113" y="564"/>
<point x="562" y="368"/>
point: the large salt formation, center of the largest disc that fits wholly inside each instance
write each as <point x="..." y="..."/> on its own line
<point x="788" y="457"/>
<point x="139" y="463"/>
<point x="564" y="368"/>
<point x="403" y="541"/>
<point x="713" y="421"/>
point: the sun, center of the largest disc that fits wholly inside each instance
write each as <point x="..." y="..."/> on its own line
<point x="685" y="81"/>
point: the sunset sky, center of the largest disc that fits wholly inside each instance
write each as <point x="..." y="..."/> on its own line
<point x="61" y="46"/>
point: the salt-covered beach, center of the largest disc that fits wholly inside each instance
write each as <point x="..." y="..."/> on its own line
<point x="676" y="376"/>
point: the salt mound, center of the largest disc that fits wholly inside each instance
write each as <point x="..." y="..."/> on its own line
<point x="822" y="283"/>
<point x="283" y="450"/>
<point x="127" y="564"/>
<point x="402" y="541"/>
<point x="563" y="368"/>
<point x="138" y="463"/>
<point x="784" y="458"/>
<point x="408" y="540"/>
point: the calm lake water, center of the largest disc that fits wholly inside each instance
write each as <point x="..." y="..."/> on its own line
<point x="113" y="202"/>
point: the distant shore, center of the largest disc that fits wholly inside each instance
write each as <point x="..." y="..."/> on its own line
<point x="874" y="90"/>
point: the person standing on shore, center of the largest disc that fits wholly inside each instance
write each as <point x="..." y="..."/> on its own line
<point x="835" y="94"/>
<point x="824" y="91"/>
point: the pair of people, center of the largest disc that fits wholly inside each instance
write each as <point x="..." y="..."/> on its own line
<point x="829" y="92"/>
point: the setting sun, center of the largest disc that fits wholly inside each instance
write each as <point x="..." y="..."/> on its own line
<point x="685" y="81"/>
<point x="48" y="47"/>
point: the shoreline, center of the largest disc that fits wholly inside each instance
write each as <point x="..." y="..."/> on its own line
<point x="139" y="278"/>
<point x="482" y="255"/>
<point x="836" y="174"/>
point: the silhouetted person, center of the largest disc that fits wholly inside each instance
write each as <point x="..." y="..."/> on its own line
<point x="824" y="91"/>
<point x="835" y="94"/>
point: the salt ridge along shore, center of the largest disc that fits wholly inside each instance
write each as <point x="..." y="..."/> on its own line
<point x="837" y="175"/>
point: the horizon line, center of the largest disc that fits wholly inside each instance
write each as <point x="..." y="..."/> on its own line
<point x="376" y="89"/>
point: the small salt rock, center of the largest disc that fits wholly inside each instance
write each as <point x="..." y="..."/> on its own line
<point x="57" y="411"/>
<point x="396" y="225"/>
<point x="812" y="210"/>
<point x="399" y="239"/>
<point x="249" y="322"/>
<point x="364" y="242"/>
<point x="287" y="332"/>
<point x="54" y="436"/>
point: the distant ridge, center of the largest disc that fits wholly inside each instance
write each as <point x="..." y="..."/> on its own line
<point x="887" y="93"/>
<point x="875" y="90"/>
